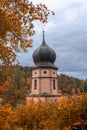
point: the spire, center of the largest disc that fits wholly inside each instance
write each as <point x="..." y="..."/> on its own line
<point x="43" y="36"/>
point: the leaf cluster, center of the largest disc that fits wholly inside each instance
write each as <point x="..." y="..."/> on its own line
<point x="17" y="26"/>
<point x="45" y="115"/>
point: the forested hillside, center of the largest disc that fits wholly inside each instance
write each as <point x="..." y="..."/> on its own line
<point x="15" y="84"/>
<point x="22" y="78"/>
<point x="71" y="85"/>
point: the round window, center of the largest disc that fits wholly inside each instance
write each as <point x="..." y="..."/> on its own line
<point x="45" y="72"/>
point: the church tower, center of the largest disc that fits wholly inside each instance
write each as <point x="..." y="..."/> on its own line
<point x="44" y="73"/>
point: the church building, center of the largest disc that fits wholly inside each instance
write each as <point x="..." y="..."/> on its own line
<point x="44" y="74"/>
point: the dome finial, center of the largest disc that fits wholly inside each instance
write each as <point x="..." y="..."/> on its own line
<point x="43" y="35"/>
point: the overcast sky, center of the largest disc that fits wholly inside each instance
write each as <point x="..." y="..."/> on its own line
<point x="66" y="33"/>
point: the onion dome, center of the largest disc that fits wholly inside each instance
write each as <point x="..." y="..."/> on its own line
<point x="44" y="55"/>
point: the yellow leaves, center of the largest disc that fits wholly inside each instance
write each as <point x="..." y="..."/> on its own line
<point x="5" y="54"/>
<point x="5" y="117"/>
<point x="41" y="115"/>
<point x="16" y="25"/>
<point x="4" y="24"/>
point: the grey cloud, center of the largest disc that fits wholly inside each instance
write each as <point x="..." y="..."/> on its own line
<point x="69" y="40"/>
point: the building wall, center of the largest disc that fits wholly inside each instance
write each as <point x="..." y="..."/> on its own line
<point x="44" y="99"/>
<point x="44" y="78"/>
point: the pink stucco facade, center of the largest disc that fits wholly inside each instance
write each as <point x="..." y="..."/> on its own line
<point x="44" y="98"/>
<point x="44" y="80"/>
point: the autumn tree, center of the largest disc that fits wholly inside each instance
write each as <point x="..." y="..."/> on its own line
<point x="40" y="115"/>
<point x="5" y="117"/>
<point x="13" y="95"/>
<point x="16" y="85"/>
<point x="17" y="27"/>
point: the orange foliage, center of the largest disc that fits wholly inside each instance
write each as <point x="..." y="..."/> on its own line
<point x="44" y="115"/>
<point x="16" y="25"/>
<point x="60" y="91"/>
<point x="5" y="117"/>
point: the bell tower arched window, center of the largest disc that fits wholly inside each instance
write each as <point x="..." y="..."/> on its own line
<point x="54" y="84"/>
<point x="35" y="84"/>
